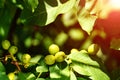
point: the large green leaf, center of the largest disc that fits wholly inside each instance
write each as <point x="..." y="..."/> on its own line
<point x="48" y="10"/>
<point x="82" y="57"/>
<point x="93" y="73"/>
<point x="96" y="73"/>
<point x="80" y="69"/>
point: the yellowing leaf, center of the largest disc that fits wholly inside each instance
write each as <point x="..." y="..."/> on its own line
<point x="89" y="13"/>
<point x="94" y="6"/>
<point x="86" y="20"/>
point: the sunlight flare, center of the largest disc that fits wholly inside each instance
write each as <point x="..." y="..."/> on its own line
<point x="115" y="4"/>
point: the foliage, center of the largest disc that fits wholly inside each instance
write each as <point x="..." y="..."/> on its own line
<point x="29" y="27"/>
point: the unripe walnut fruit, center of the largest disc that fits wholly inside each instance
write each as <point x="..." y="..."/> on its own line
<point x="26" y="58"/>
<point x="11" y="76"/>
<point x="13" y="50"/>
<point x="60" y="56"/>
<point x="6" y="44"/>
<point x="74" y="50"/>
<point x="50" y="59"/>
<point x="93" y="49"/>
<point x="53" y="49"/>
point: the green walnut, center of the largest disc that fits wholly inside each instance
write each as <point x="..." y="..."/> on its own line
<point x="93" y="49"/>
<point x="60" y="56"/>
<point x="50" y="59"/>
<point x="26" y="58"/>
<point x="74" y="50"/>
<point x="53" y="49"/>
<point x="11" y="76"/>
<point x="6" y="44"/>
<point x="13" y="50"/>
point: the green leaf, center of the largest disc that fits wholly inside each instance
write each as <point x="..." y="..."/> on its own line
<point x="115" y="44"/>
<point x="2" y="3"/>
<point x="41" y="69"/>
<point x="79" y="78"/>
<point x="6" y="15"/>
<point x="56" y="73"/>
<point x="93" y="73"/>
<point x="86" y="20"/>
<point x="40" y="79"/>
<point x="2" y="69"/>
<point x="29" y="7"/>
<point x="25" y="14"/>
<point x="32" y="4"/>
<point x="26" y="76"/>
<point x="82" y="57"/>
<point x="72" y="76"/>
<point x="97" y="74"/>
<point x="48" y="10"/>
<point x="3" y="77"/>
<point x="36" y="58"/>
<point x="80" y="69"/>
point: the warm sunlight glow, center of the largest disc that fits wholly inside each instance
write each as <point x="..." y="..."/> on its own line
<point x="115" y="4"/>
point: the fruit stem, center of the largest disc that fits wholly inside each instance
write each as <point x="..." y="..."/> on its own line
<point x="39" y="75"/>
<point x="15" y="62"/>
<point x="13" y="58"/>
